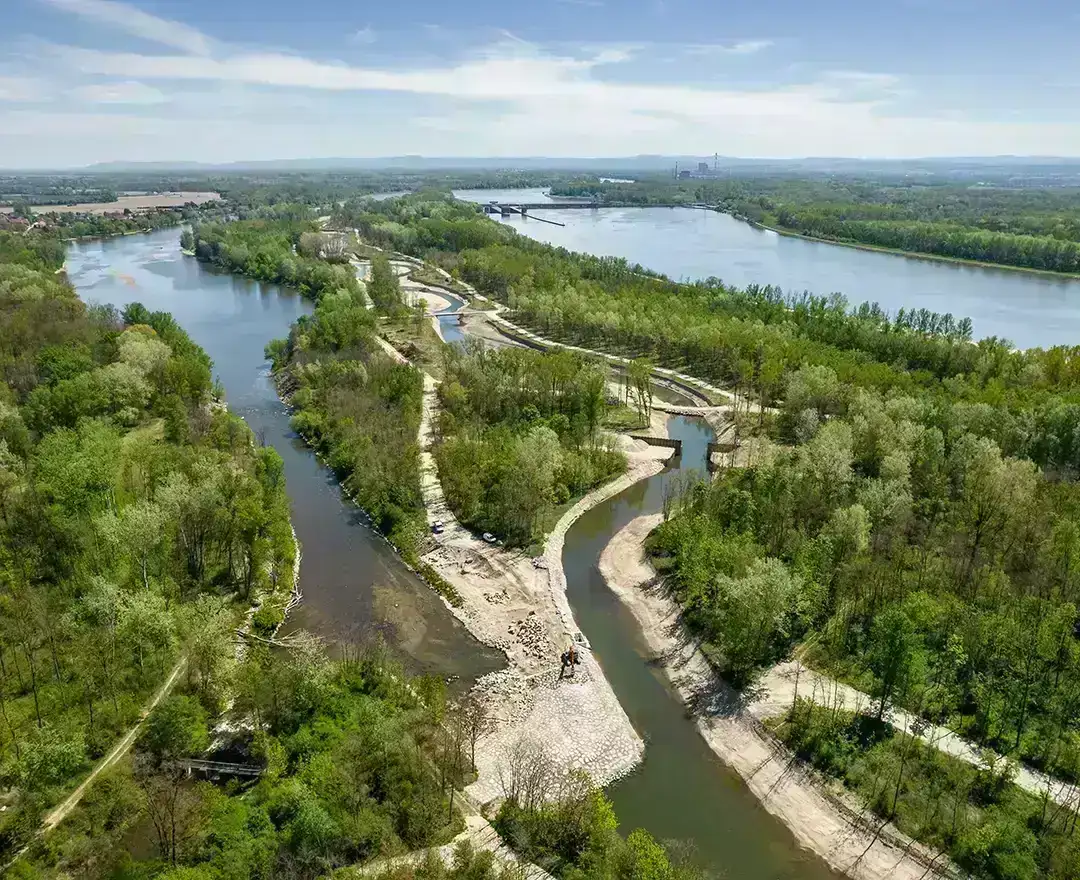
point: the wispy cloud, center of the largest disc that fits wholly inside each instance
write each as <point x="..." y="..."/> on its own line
<point x="595" y="99"/>
<point x="129" y="92"/>
<point x="141" y="24"/>
<point x="365" y="36"/>
<point x="742" y="47"/>
<point x="509" y="71"/>
<point x="22" y="88"/>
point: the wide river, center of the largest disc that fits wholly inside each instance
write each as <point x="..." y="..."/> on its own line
<point x="1027" y="308"/>
<point x="353" y="582"/>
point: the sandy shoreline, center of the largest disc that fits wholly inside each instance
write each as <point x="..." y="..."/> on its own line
<point x="818" y="817"/>
<point x="519" y="605"/>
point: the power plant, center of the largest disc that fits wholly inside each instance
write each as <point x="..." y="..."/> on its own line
<point x="703" y="172"/>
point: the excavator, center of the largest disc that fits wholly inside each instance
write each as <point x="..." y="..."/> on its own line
<point x="570" y="658"/>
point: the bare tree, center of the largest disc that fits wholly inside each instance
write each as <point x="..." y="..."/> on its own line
<point x="477" y="721"/>
<point x="527" y="774"/>
<point x="176" y="808"/>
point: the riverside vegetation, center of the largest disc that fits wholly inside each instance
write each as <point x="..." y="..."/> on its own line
<point x="362" y="409"/>
<point x="908" y="520"/>
<point x="519" y="435"/>
<point x="137" y="521"/>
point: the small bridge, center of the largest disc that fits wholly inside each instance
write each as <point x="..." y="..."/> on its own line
<point x="660" y="441"/>
<point x="523" y="210"/>
<point x="219" y="768"/>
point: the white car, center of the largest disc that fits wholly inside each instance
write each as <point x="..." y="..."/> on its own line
<point x="437" y="527"/>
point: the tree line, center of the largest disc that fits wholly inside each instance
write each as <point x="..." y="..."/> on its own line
<point x="136" y="518"/>
<point x="907" y="518"/>
<point x="271" y="251"/>
<point x="1034" y="228"/>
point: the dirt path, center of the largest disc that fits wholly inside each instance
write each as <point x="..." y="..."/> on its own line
<point x="778" y="691"/>
<point x="119" y="750"/>
<point x="821" y="819"/>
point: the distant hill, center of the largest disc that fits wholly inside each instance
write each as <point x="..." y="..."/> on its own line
<point x="1060" y="169"/>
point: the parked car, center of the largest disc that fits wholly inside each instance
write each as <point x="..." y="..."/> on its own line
<point x="490" y="538"/>
<point x="437" y="527"/>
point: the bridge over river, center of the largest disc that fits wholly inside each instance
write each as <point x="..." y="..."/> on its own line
<point x="506" y="209"/>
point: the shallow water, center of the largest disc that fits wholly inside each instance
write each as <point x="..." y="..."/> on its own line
<point x="682" y="791"/>
<point x="352" y="580"/>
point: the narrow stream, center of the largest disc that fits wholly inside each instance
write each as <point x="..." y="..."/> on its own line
<point x="353" y="581"/>
<point x="682" y="791"/>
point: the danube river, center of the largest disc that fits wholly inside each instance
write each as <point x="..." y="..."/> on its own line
<point x="1027" y="308"/>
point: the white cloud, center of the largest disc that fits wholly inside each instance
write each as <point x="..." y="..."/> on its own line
<point x="507" y="71"/>
<point x="138" y="23"/>
<point x="364" y="37"/>
<point x="508" y="98"/>
<point x="22" y="88"/>
<point x="742" y="47"/>
<point x="128" y="92"/>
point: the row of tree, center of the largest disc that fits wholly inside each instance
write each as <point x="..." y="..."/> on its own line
<point x="135" y="517"/>
<point x="279" y="251"/>
<point x="902" y="519"/>
<point x="1035" y="228"/>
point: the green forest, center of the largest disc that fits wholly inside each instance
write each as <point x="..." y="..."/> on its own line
<point x="280" y="251"/>
<point x="359" y="407"/>
<point x="903" y="516"/>
<point x="1034" y="228"/>
<point x="138" y="520"/>
<point x="518" y="436"/>
<point x="906" y="520"/>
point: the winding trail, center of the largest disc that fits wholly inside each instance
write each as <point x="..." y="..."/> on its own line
<point x="778" y="687"/>
<point x="119" y="750"/>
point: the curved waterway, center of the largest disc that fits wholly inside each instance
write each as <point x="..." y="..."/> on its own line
<point x="681" y="791"/>
<point x="684" y="243"/>
<point x="352" y="580"/>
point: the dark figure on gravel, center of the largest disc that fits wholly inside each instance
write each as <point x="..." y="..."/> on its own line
<point x="570" y="659"/>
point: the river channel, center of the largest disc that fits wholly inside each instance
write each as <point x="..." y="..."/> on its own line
<point x="1029" y="309"/>
<point x="681" y="791"/>
<point x="352" y="581"/>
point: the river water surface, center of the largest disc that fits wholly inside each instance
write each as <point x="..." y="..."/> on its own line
<point x="684" y="243"/>
<point x="682" y="791"/>
<point x="351" y="578"/>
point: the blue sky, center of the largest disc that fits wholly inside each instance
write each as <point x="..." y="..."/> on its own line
<point x="85" y="81"/>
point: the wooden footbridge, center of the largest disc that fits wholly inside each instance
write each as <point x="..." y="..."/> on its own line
<point x="216" y="769"/>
